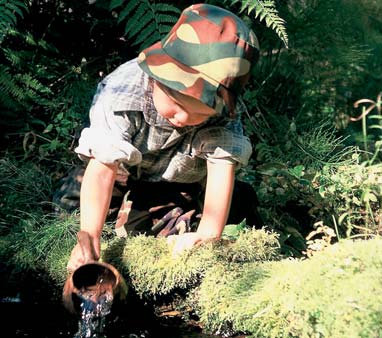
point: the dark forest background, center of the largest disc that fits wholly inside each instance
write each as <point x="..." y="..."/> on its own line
<point x="314" y="104"/>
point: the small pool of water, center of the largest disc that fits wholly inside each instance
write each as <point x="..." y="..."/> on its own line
<point x="53" y="321"/>
<point x="30" y="307"/>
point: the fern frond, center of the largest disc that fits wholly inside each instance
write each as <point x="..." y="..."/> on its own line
<point x="265" y="10"/>
<point x="148" y="31"/>
<point x="9" y="11"/>
<point x="147" y="22"/>
<point x="17" y="7"/>
<point x="30" y="82"/>
<point x="165" y="16"/>
<point x="128" y="10"/>
<point x="9" y="86"/>
<point x="8" y="17"/>
<point x="142" y="17"/>
<point x="115" y="4"/>
<point x="11" y="56"/>
<point x="21" y="89"/>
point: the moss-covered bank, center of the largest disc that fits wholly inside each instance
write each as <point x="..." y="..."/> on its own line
<point x="336" y="293"/>
<point x="233" y="286"/>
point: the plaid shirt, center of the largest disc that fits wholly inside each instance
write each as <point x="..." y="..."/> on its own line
<point x="125" y="128"/>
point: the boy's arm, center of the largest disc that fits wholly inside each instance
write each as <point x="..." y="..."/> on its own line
<point x="96" y="191"/>
<point x="217" y="202"/>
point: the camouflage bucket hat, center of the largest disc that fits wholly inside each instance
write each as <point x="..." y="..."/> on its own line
<point x="208" y="47"/>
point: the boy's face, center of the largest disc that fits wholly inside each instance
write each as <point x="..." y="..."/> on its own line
<point x="179" y="109"/>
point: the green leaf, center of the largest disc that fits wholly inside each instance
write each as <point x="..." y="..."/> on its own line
<point x="232" y="231"/>
<point x="60" y="116"/>
<point x="48" y="129"/>
<point x="297" y="171"/>
<point x="115" y="3"/>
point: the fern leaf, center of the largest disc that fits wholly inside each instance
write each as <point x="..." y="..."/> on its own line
<point x="12" y="57"/>
<point x="157" y="25"/>
<point x="164" y="29"/>
<point x="141" y="18"/>
<point x="47" y="46"/>
<point x="128" y="10"/>
<point x="149" y="41"/>
<point x="148" y="31"/>
<point x="164" y="23"/>
<point x="32" y="83"/>
<point x="166" y="8"/>
<point x="147" y="22"/>
<point x="166" y="18"/>
<point x="7" y="18"/>
<point x="21" y="89"/>
<point x="5" y="77"/>
<point x="17" y="7"/>
<point x="11" y="93"/>
<point x="115" y="4"/>
<point x="9" y="9"/>
<point x="29" y="39"/>
<point x="265" y="10"/>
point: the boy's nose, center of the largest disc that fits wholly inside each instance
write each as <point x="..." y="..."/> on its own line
<point x="180" y="114"/>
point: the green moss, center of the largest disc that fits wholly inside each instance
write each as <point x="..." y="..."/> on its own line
<point x="336" y="293"/>
<point x="153" y="270"/>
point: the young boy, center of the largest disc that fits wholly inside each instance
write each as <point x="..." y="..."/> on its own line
<point x="166" y="126"/>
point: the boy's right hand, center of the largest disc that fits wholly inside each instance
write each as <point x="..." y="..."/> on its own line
<point x="84" y="251"/>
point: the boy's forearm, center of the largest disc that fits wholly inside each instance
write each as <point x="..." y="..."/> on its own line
<point x="217" y="201"/>
<point x="96" y="191"/>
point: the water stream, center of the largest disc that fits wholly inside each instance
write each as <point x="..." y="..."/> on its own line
<point x="95" y="304"/>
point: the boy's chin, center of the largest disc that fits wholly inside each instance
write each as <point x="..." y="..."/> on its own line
<point x="176" y="124"/>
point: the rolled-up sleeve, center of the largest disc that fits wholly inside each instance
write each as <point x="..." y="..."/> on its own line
<point x="219" y="144"/>
<point x="108" y="138"/>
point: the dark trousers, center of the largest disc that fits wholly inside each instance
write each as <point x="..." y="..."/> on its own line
<point x="151" y="202"/>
